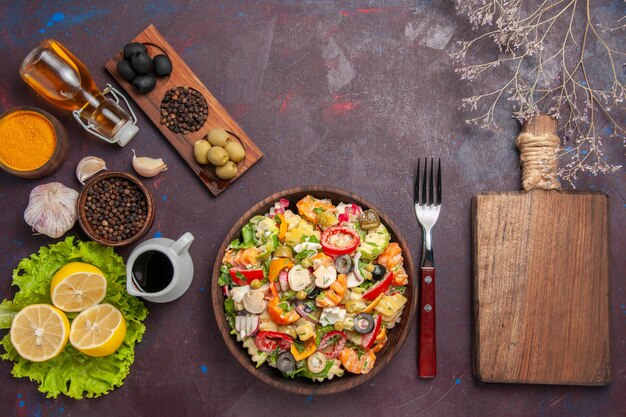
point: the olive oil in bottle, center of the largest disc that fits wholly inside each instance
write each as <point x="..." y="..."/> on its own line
<point x="62" y="79"/>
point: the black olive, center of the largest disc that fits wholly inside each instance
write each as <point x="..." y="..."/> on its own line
<point x="134" y="48"/>
<point x="126" y="70"/>
<point x="379" y="272"/>
<point x="144" y="83"/>
<point x="343" y="264"/>
<point x="285" y="362"/>
<point x="314" y="292"/>
<point x="162" y="65"/>
<point x="363" y="323"/>
<point x="142" y="63"/>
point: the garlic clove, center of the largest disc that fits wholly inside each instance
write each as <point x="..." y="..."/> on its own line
<point x="88" y="167"/>
<point x="148" y="167"/>
<point x="51" y="209"/>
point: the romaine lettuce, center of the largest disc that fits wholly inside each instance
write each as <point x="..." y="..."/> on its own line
<point x="73" y="373"/>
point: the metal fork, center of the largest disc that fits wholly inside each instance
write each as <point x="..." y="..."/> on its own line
<point x="427" y="199"/>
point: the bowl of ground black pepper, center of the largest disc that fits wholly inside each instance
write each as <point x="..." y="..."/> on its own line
<point x="184" y="110"/>
<point x="115" y="208"/>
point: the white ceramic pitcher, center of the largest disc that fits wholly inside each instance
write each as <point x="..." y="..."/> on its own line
<point x="178" y="255"/>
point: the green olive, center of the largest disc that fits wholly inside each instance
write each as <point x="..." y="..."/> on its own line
<point x="301" y="295"/>
<point x="217" y="137"/>
<point x="255" y="284"/>
<point x="236" y="152"/>
<point x="217" y="156"/>
<point x="283" y="252"/>
<point x="227" y="171"/>
<point x="306" y="263"/>
<point x="338" y="326"/>
<point x="200" y="149"/>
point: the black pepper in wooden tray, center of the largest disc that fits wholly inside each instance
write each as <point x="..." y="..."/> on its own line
<point x="115" y="208"/>
<point x="184" y="110"/>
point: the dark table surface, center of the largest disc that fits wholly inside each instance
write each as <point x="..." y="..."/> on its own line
<point x="345" y="94"/>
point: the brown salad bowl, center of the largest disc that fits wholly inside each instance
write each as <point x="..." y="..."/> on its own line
<point x="304" y="386"/>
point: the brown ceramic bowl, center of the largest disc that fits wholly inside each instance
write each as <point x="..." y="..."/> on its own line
<point x="303" y="386"/>
<point x="82" y="200"/>
<point x="58" y="155"/>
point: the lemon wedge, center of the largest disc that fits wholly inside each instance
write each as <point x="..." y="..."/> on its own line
<point x="77" y="286"/>
<point x="39" y="332"/>
<point x="98" y="331"/>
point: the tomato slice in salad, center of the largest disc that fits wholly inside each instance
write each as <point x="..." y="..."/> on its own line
<point x="268" y="341"/>
<point x="339" y="240"/>
<point x="332" y="343"/>
<point x="245" y="276"/>
<point x="380" y="288"/>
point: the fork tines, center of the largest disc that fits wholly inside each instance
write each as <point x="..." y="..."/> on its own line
<point x="427" y="194"/>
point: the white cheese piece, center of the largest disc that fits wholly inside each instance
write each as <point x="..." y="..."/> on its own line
<point x="331" y="315"/>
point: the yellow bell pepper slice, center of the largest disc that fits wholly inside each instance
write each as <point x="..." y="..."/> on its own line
<point x="309" y="348"/>
<point x="373" y="304"/>
<point x="282" y="230"/>
<point x="278" y="265"/>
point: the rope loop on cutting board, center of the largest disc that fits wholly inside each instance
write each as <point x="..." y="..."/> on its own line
<point x="538" y="145"/>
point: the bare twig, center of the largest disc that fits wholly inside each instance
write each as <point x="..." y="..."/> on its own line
<point x="553" y="51"/>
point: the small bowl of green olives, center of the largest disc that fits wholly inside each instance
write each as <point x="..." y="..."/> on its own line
<point x="221" y="149"/>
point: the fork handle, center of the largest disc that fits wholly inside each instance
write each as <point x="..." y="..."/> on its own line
<point x="427" y="335"/>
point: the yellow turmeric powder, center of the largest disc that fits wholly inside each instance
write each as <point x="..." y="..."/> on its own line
<point x="27" y="140"/>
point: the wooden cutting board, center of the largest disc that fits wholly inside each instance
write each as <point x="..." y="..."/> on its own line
<point x="541" y="287"/>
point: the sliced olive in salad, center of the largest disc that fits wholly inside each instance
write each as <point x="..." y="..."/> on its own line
<point x="363" y="323"/>
<point x="283" y="252"/>
<point x="285" y="362"/>
<point x="378" y="272"/>
<point x="316" y="362"/>
<point x="343" y="264"/>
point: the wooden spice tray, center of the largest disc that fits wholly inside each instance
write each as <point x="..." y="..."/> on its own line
<point x="218" y="117"/>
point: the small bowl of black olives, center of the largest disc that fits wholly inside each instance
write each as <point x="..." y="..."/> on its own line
<point x="142" y="70"/>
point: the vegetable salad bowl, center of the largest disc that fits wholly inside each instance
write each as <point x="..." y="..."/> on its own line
<point x="371" y="305"/>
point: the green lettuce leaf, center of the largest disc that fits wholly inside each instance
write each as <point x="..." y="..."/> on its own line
<point x="73" y="373"/>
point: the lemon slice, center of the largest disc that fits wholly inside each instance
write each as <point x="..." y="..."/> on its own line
<point x="77" y="286"/>
<point x="39" y="332"/>
<point x="98" y="331"/>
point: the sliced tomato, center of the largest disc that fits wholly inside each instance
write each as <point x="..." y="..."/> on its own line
<point x="332" y="343"/>
<point x="369" y="338"/>
<point x="339" y="240"/>
<point x="380" y="288"/>
<point x="245" y="276"/>
<point x="268" y="341"/>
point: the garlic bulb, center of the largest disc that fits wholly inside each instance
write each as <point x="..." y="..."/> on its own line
<point x="148" y="167"/>
<point x="51" y="209"/>
<point x="88" y="167"/>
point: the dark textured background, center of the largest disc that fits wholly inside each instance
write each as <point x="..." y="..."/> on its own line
<point x="346" y="94"/>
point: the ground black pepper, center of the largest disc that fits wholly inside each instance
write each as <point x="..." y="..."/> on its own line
<point x="115" y="209"/>
<point x="183" y="110"/>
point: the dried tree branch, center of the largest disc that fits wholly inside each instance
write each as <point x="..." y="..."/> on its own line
<point x="552" y="52"/>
